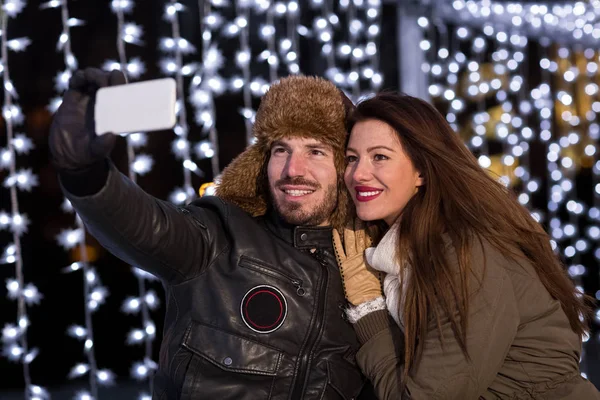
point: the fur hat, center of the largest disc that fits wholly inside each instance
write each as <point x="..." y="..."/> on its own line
<point x="296" y="106"/>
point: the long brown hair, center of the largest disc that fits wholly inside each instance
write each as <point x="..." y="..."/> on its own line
<point x="461" y="201"/>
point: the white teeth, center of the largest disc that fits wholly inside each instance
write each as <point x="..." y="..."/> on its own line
<point x="365" y="194"/>
<point x="298" y="192"/>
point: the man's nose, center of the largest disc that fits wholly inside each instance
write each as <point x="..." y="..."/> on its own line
<point x="296" y="165"/>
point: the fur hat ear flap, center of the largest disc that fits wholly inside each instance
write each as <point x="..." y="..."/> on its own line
<point x="244" y="180"/>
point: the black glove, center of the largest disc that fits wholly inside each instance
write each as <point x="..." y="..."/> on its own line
<point x="73" y="142"/>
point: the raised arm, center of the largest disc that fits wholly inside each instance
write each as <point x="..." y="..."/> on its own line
<point x="148" y="233"/>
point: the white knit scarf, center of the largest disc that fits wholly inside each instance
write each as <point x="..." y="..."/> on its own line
<point x="383" y="258"/>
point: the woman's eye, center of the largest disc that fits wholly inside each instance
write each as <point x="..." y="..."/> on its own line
<point x="350" y="159"/>
<point x="380" y="157"/>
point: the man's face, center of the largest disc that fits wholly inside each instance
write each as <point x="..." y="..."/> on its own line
<point x="303" y="181"/>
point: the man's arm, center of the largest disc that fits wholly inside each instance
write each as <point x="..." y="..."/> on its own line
<point x="151" y="234"/>
<point x="143" y="231"/>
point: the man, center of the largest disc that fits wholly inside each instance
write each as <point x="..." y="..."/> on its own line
<point x="253" y="293"/>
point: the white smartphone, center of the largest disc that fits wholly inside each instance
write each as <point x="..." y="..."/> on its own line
<point x="136" y="107"/>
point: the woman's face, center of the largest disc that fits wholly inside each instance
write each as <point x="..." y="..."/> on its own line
<point x="380" y="176"/>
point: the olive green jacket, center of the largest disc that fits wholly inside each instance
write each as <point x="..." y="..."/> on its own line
<point x="519" y="341"/>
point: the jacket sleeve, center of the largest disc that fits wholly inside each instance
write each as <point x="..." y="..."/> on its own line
<point x="154" y="235"/>
<point x="381" y="356"/>
<point x="443" y="372"/>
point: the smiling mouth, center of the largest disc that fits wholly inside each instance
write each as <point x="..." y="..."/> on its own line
<point x="297" y="192"/>
<point x="367" y="195"/>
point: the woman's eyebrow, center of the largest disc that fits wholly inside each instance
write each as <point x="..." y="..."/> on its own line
<point x="370" y="149"/>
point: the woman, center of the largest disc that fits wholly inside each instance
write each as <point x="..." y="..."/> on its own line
<point x="485" y="307"/>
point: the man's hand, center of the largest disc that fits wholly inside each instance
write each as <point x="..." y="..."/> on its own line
<point x="361" y="282"/>
<point x="73" y="142"/>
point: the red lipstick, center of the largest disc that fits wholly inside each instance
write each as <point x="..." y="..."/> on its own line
<point x="367" y="193"/>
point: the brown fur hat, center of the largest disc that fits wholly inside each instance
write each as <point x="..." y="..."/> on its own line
<point x="296" y="106"/>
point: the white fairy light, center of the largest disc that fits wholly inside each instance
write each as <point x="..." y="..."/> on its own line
<point x="561" y="24"/>
<point x="142" y="164"/>
<point x="79" y="370"/>
<point x="136" y="336"/>
<point x="14" y="337"/>
<point x="72" y="238"/>
<point x="22" y="144"/>
<point x="174" y="48"/>
<point x="242" y="19"/>
<point x="178" y="196"/>
<point x="10" y="333"/>
<point x="139" y="164"/>
<point x="131" y="305"/>
<point x="564" y="150"/>
<point x="78" y="332"/>
<point x="23" y="179"/>
<point x="207" y="83"/>
<point x="19" y="44"/>
<point x="105" y="377"/>
<point x="12" y="8"/>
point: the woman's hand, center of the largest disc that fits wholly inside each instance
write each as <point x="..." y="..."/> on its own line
<point x="361" y="282"/>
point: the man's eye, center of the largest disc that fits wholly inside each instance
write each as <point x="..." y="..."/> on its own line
<point x="350" y="159"/>
<point x="278" y="150"/>
<point x="380" y="157"/>
<point x="317" y="153"/>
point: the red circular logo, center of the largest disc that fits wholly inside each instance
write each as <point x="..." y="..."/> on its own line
<point x="263" y="309"/>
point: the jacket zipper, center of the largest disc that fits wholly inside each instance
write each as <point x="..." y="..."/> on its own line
<point x="254" y="265"/>
<point x="314" y="333"/>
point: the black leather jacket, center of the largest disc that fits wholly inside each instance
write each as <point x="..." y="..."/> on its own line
<point x="253" y="305"/>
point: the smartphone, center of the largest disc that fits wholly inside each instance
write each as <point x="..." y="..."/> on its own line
<point x="136" y="107"/>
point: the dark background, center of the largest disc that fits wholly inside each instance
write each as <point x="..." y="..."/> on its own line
<point x="33" y="72"/>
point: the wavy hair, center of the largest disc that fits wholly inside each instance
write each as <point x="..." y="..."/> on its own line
<point x="461" y="201"/>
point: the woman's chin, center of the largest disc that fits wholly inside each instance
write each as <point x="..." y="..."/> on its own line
<point x="366" y="216"/>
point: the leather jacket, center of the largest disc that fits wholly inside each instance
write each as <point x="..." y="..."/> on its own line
<point x="254" y="306"/>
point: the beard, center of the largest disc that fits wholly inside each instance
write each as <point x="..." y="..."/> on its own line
<point x="305" y="214"/>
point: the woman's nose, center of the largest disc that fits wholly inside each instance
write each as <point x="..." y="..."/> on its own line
<point x="361" y="171"/>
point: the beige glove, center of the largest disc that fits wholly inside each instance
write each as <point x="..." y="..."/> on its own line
<point x="361" y="282"/>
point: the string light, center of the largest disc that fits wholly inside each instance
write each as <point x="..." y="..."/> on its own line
<point x="207" y="83"/>
<point x="358" y="49"/>
<point x="14" y="336"/>
<point x="176" y="47"/>
<point x="569" y="23"/>
<point x="94" y="293"/>
<point x="241" y="27"/>
<point x="572" y="142"/>
<point x="289" y="48"/>
<point x="138" y="164"/>
<point x="347" y="33"/>
<point x="370" y="70"/>
<point x="323" y="31"/>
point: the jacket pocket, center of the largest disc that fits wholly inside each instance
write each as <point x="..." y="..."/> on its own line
<point x="262" y="268"/>
<point x="227" y="366"/>
<point x="344" y="380"/>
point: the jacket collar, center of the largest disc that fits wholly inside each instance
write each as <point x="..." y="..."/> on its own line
<point x="301" y="237"/>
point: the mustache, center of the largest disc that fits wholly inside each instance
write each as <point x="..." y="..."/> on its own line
<point x="297" y="181"/>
